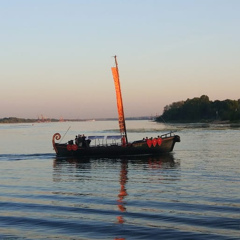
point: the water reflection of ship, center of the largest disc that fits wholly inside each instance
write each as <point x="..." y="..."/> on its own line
<point x="153" y="162"/>
<point x="144" y="162"/>
<point x="123" y="191"/>
<point x="164" y="162"/>
<point x="160" y="161"/>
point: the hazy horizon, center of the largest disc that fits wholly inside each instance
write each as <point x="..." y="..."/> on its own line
<point x="56" y="55"/>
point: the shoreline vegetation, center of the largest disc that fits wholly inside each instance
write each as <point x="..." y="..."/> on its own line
<point x="202" y="110"/>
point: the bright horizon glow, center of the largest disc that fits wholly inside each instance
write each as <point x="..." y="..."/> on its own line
<point x="56" y="56"/>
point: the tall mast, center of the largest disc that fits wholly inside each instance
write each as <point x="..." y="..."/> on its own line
<point x="121" y="118"/>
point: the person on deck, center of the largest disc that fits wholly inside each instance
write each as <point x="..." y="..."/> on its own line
<point x="83" y="140"/>
<point x="80" y="140"/>
<point x="76" y="140"/>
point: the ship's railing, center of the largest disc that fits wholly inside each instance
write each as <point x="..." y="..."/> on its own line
<point x="98" y="140"/>
<point x="105" y="140"/>
<point x="169" y="134"/>
<point x="114" y="140"/>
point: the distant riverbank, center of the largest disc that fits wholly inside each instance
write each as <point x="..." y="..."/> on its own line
<point x="28" y="120"/>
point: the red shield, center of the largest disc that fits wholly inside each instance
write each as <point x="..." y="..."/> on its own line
<point x="74" y="147"/>
<point x="154" y="142"/>
<point x="159" y="141"/>
<point x="149" y="142"/>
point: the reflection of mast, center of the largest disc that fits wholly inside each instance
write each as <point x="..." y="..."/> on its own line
<point x="123" y="192"/>
<point x="121" y="118"/>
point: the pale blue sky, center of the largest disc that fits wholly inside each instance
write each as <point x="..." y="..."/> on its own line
<point x="56" y="56"/>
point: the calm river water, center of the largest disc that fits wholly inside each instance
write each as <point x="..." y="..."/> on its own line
<point x="193" y="193"/>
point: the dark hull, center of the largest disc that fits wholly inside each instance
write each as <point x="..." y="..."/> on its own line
<point x="135" y="148"/>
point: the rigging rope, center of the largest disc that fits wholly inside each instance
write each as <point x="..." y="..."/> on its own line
<point x="65" y="134"/>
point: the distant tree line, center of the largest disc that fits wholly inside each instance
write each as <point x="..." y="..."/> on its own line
<point x="21" y="120"/>
<point x="16" y="120"/>
<point x="201" y="110"/>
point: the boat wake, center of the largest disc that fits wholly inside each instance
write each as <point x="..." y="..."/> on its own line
<point x="18" y="157"/>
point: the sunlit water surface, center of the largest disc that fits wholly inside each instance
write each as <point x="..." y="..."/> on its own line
<point x="193" y="193"/>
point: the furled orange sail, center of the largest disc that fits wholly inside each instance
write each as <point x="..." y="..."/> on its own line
<point x="121" y="118"/>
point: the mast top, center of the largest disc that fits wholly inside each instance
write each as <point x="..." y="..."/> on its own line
<point x="115" y="58"/>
